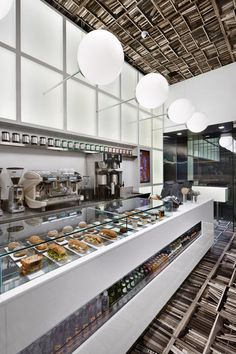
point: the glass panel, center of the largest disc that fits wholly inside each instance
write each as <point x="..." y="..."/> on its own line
<point x="81" y="108"/>
<point x="157" y="134"/>
<point x="128" y="82"/>
<point x="129" y="124"/>
<point x="113" y="88"/>
<point x="41" y="32"/>
<point x="7" y="84"/>
<point x="190" y="168"/>
<point x="157" y="165"/>
<point x="8" y="27"/>
<point x="145" y="128"/>
<point x="190" y="146"/>
<point x="45" y="110"/>
<point x="108" y="120"/>
<point x="74" y="36"/>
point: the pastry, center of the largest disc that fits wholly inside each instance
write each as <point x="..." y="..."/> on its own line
<point x="78" y="245"/>
<point x="35" y="239"/>
<point x="42" y="247"/>
<point x="20" y="253"/>
<point x="56" y="252"/>
<point x="67" y="229"/>
<point x="82" y="224"/>
<point x="77" y="234"/>
<point x="52" y="233"/>
<point x="31" y="264"/>
<point x="13" y="245"/>
<point x="123" y="230"/>
<point x="108" y="233"/>
<point x="61" y="239"/>
<point x="95" y="240"/>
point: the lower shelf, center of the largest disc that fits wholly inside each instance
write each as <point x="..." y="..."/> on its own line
<point x="118" y="334"/>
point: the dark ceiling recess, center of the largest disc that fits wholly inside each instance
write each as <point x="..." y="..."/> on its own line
<point x="185" y="36"/>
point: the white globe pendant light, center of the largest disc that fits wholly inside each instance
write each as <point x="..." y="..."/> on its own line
<point x="197" y="123"/>
<point x="181" y="110"/>
<point x="226" y="140"/>
<point x="5" y="6"/>
<point x="100" y="57"/>
<point x="152" y="90"/>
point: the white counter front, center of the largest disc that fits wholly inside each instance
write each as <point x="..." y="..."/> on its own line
<point x="29" y="311"/>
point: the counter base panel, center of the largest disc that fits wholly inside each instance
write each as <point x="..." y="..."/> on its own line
<point x="118" y="334"/>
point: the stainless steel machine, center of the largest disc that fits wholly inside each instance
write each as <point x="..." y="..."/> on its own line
<point x="108" y="176"/>
<point x="44" y="188"/>
<point x="16" y="193"/>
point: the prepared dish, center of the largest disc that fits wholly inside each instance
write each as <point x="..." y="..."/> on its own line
<point x="78" y="245"/>
<point x="42" y="247"/>
<point x="13" y="245"/>
<point x="52" y="233"/>
<point x="61" y="239"/>
<point x="82" y="224"/>
<point x="20" y="253"/>
<point x="31" y="264"/>
<point x="123" y="230"/>
<point x="35" y="239"/>
<point x="67" y="229"/>
<point x="94" y="239"/>
<point x="56" y="252"/>
<point x="108" y="233"/>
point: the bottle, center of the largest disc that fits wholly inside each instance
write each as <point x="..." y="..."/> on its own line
<point x="111" y="293"/>
<point x="105" y="303"/>
<point x="98" y="310"/>
<point x="118" y="290"/>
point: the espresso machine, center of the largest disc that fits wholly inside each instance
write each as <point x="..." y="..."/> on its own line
<point x="44" y="188"/>
<point x="108" y="176"/>
<point x="16" y="192"/>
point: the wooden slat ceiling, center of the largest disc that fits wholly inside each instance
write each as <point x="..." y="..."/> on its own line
<point x="186" y="38"/>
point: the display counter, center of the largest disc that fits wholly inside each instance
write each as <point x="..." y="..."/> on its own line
<point x="113" y="241"/>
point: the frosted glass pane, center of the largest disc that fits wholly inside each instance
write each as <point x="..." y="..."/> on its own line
<point x="145" y="189"/>
<point x="8" y="27"/>
<point x="157" y="134"/>
<point x="157" y="189"/>
<point x="145" y="132"/>
<point x="74" y="36"/>
<point x="45" y="110"/>
<point x="81" y="108"/>
<point x="109" y="120"/>
<point x="157" y="165"/>
<point x="129" y="124"/>
<point x="41" y="32"/>
<point x="113" y="88"/>
<point x="7" y="84"/>
<point x="128" y="82"/>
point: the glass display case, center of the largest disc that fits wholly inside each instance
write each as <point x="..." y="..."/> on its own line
<point x="33" y="247"/>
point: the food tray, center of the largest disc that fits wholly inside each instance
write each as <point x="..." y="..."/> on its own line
<point x="105" y="242"/>
<point x="33" y="275"/>
<point x="15" y="259"/>
<point x="81" y="254"/>
<point x="68" y="259"/>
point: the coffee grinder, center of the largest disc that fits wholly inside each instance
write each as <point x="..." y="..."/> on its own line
<point x="1" y="212"/>
<point x="16" y="194"/>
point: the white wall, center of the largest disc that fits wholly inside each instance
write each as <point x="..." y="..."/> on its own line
<point x="213" y="93"/>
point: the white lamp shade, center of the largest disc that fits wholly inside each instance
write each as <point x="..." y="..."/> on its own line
<point x="5" y="6"/>
<point x="181" y="110"/>
<point x="152" y="90"/>
<point x="197" y="123"/>
<point x="100" y="57"/>
<point x="226" y="140"/>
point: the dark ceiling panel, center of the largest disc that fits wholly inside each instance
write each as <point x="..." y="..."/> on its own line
<point x="186" y="37"/>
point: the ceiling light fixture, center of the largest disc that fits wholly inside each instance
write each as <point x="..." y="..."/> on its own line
<point x="152" y="90"/>
<point x="144" y="34"/>
<point x="179" y="133"/>
<point x="180" y="111"/>
<point x="225" y="140"/>
<point x="100" y="58"/>
<point x="197" y="123"/>
<point x="5" y="6"/>
<point x="221" y="127"/>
